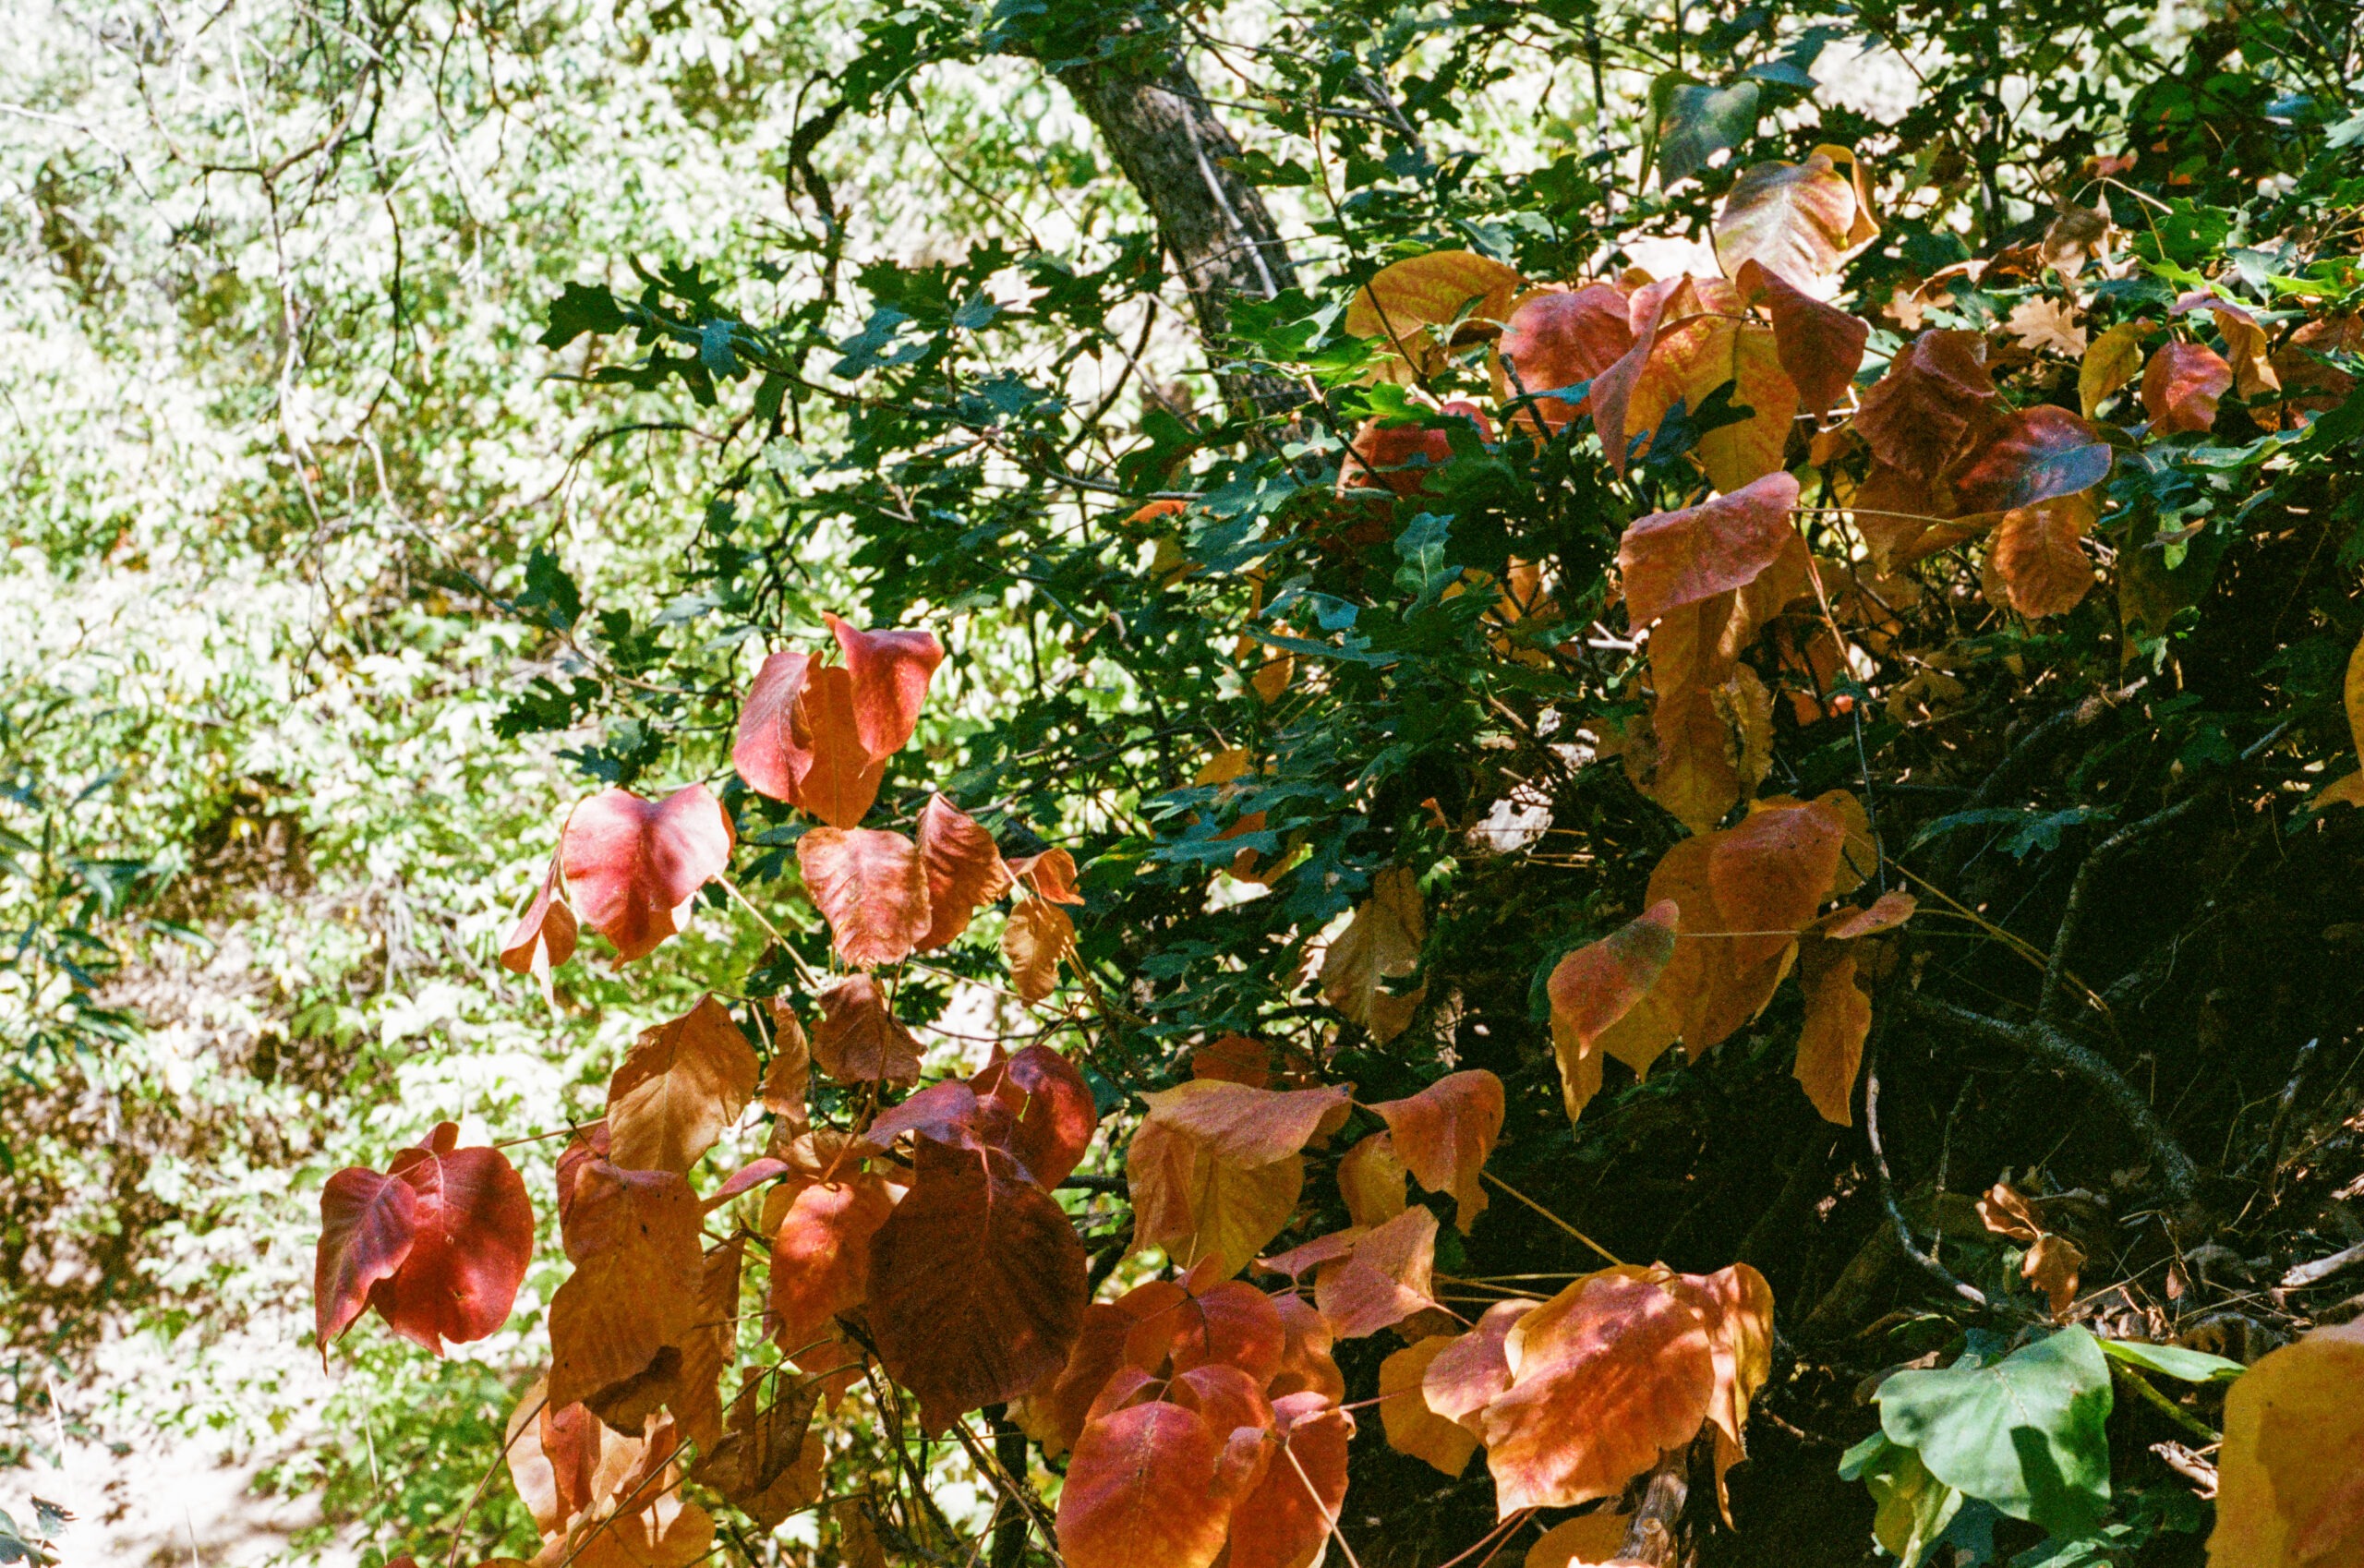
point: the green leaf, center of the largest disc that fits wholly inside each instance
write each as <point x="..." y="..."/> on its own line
<point x="1690" y="121"/>
<point x="583" y="307"/>
<point x="1911" y="1507"/>
<point x="2173" y="1361"/>
<point x="550" y="596"/>
<point x="2025" y="1433"/>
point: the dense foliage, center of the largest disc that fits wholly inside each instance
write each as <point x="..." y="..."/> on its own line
<point x="1606" y="495"/>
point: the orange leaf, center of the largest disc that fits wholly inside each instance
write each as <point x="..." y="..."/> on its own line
<point x="438" y="1245"/>
<point x="1557" y="340"/>
<point x="964" y="871"/>
<point x="1695" y="357"/>
<point x="788" y="1077"/>
<point x="1382" y="941"/>
<point x="841" y="778"/>
<point x="1672" y="558"/>
<point x="1590" y="1541"/>
<point x="1036" y="937"/>
<point x="1838" y="1018"/>
<point x="1235" y="1057"/>
<point x="1412" y="1428"/>
<point x="1050" y="874"/>
<point x="1444" y="1133"/>
<point x="1802" y="221"/>
<point x="821" y="1255"/>
<point x="1141" y="1491"/>
<point x="1254" y="1127"/>
<point x="679" y="1087"/>
<point x="2245" y="344"/>
<point x="1210" y="1320"/>
<point x="1388" y="1276"/>
<point x="891" y="672"/>
<point x="544" y="937"/>
<point x="1402" y="458"/>
<point x="977" y="1286"/>
<point x="1770" y="872"/>
<point x="1286" y="1521"/>
<point x="1737" y="1306"/>
<point x="769" y="754"/>
<point x="2290" y="1479"/>
<point x="1198" y="1205"/>
<point x="1919" y="413"/>
<point x="1407" y="304"/>
<point x="1474" y="1369"/>
<point x="1305" y="1365"/>
<point x="2031" y="456"/>
<point x="1604" y="1377"/>
<point x="871" y="887"/>
<point x="2181" y="386"/>
<point x="769" y="1463"/>
<point x="634" y="866"/>
<point x="1371" y="1180"/>
<point x="2051" y="1267"/>
<point x="633" y="1237"/>
<point x="858" y="1040"/>
<point x="1595" y="986"/>
<point x="2034" y="562"/>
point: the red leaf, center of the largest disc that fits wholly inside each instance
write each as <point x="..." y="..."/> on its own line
<point x="1052" y="1110"/>
<point x="1918" y="414"/>
<point x="634" y="866"/>
<point x="1050" y="873"/>
<point x="543" y="935"/>
<point x="1286" y="1521"/>
<point x="769" y="755"/>
<point x="1562" y="340"/>
<point x="1202" y="1322"/>
<point x="2181" y="386"/>
<point x="1820" y="346"/>
<point x="1444" y="1133"/>
<point x="873" y="889"/>
<point x="976" y="1283"/>
<point x="1672" y="559"/>
<point x="474" y="1240"/>
<point x="1141" y="1491"/>
<point x="2033" y="455"/>
<point x="821" y="1255"/>
<point x="1404" y="458"/>
<point x="858" y="1040"/>
<point x="368" y="1224"/>
<point x="842" y="779"/>
<point x="1769" y="875"/>
<point x="890" y="673"/>
<point x="964" y="871"/>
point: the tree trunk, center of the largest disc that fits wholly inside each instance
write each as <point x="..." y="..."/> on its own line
<point x="1215" y="225"/>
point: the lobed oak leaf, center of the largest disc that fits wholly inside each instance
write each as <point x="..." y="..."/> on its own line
<point x="544" y="935"/>
<point x="1372" y="1181"/>
<point x="2111" y="361"/>
<point x="1590" y="1541"/>
<point x="1555" y="340"/>
<point x="1473" y="1368"/>
<point x="1916" y="415"/>
<point x="1387" y="1276"/>
<point x="2035" y="564"/>
<point x="977" y="1288"/>
<point x="634" y="866"/>
<point x="1305" y="1365"/>
<point x="820" y="1263"/>
<point x="872" y="887"/>
<point x="964" y="871"/>
<point x="767" y="1464"/>
<point x="1254" y="1127"/>
<point x="768" y="753"/>
<point x="2041" y="324"/>
<point x="1444" y="1133"/>
<point x="1802" y="221"/>
<point x="891" y="672"/>
<point x="1141" y="1491"/>
<point x="1820" y="346"/>
<point x="1198" y="1205"/>
<point x="1037" y="936"/>
<point x="1286" y="1521"/>
<point x="1595" y="986"/>
<point x="679" y="1087"/>
<point x="839" y="780"/>
<point x="2289" y="1494"/>
<point x="1381" y="942"/>
<point x="2181" y="386"/>
<point x="1411" y="1427"/>
<point x="2030" y="457"/>
<point x="858" y="1040"/>
<point x="1670" y="560"/>
<point x="1603" y="1378"/>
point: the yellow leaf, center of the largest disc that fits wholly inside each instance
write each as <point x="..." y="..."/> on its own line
<point x="2114" y="360"/>
<point x="2290" y="1479"/>
<point x="1412" y="1428"/>
<point x="1407" y="300"/>
<point x="1801" y="222"/>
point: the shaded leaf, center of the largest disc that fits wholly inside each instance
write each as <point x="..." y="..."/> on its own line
<point x="1443" y="1134"/>
<point x="858" y="1040"/>
<point x="2025" y="1433"/>
<point x="1411" y="1427"/>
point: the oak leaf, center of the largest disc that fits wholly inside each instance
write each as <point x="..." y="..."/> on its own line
<point x="871" y="887"/>
<point x="2041" y="324"/>
<point x="859" y="1040"/>
<point x="679" y="1087"/>
<point x="964" y="871"/>
<point x="634" y="866"/>
<point x="1444" y="1133"/>
<point x="1381" y="942"/>
<point x="438" y="1246"/>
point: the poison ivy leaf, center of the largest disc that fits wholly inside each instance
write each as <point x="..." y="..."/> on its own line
<point x="1690" y="121"/>
<point x="872" y="887"/>
<point x="1443" y="1135"/>
<point x="2025" y="1433"/>
<point x="678" y="1089"/>
<point x="634" y="866"/>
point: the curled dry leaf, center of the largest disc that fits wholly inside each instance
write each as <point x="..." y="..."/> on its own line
<point x="2247" y="346"/>
<point x="634" y="866"/>
<point x="872" y="887"/>
<point x="678" y="1088"/>
<point x="544" y="937"/>
<point x="1411" y="1427"/>
<point x="977" y="1285"/>
<point x="1443" y="1134"/>
<point x="438" y="1246"/>
<point x="2181" y="387"/>
<point x="1593" y="988"/>
<point x="1555" y="340"/>
<point x="1037" y="936"/>
<point x="858" y="1040"/>
<point x="964" y="871"/>
<point x="2287" y="1480"/>
<point x="2048" y="325"/>
<point x="767" y="1463"/>
<point x="1050" y="875"/>
<point x="600" y="1497"/>
<point x="1736" y="1306"/>
<point x="890" y="671"/>
<point x="1672" y="559"/>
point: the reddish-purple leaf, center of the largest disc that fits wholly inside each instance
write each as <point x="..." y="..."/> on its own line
<point x="769" y="756"/>
<point x="368" y="1222"/>
<point x="873" y="889"/>
<point x="2033" y="455"/>
<point x="634" y="866"/>
<point x="890" y="673"/>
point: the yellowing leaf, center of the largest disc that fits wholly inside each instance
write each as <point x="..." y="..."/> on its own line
<point x="2290" y="1479"/>
<point x="1038" y="935"/>
<point x="1595" y="986"/>
<point x="1381" y="942"/>
<point x="1590" y="1541"/>
<point x="1197" y="1204"/>
<point x="1405" y="303"/>
<point x="1802" y="221"/>
<point x="1411" y="1427"/>
<point x="679" y="1087"/>
<point x="2035" y="564"/>
<point x="1372" y="1180"/>
<point x="2114" y="360"/>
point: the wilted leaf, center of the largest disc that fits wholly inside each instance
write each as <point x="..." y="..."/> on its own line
<point x="976" y="1283"/>
<point x="1444" y="1133"/>
<point x="1050" y="874"/>
<point x="544" y="937"/>
<point x="1802" y="221"/>
<point x="871" y="887"/>
<point x="1672" y="559"/>
<point x="890" y="671"/>
<point x="1412" y="1428"/>
<point x="858" y="1040"/>
<point x="2181" y="387"/>
<point x="2025" y="1433"/>
<point x="634" y="866"/>
<point x="1037" y="936"/>
<point x="964" y="871"/>
<point x="2041" y="324"/>
<point x="2288" y="1492"/>
<point x="679" y="1087"/>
